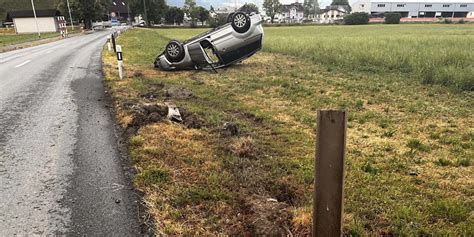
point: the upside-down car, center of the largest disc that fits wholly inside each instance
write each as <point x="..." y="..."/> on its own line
<point x="231" y="43"/>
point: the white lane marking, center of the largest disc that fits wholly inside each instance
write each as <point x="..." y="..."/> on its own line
<point x="23" y="64"/>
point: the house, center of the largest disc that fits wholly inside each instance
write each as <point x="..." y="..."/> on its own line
<point x="416" y="8"/>
<point x="291" y="13"/>
<point x="24" y="21"/>
<point x="332" y="14"/>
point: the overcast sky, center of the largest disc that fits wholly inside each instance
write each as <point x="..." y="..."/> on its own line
<point x="221" y="3"/>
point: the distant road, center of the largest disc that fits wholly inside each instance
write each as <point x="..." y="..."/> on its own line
<point x="60" y="167"/>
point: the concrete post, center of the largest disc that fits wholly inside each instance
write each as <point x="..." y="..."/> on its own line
<point x="109" y="43"/>
<point x="120" y="61"/>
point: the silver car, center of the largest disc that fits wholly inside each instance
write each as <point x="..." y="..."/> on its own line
<point x="231" y="43"/>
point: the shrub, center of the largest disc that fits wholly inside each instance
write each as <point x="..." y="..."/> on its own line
<point x="447" y="21"/>
<point x="357" y="18"/>
<point x="392" y="18"/>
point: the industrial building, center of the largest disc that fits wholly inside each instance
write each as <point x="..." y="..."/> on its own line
<point x="417" y="8"/>
<point x="24" y="21"/>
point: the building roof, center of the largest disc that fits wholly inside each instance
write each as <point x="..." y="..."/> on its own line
<point x="287" y="7"/>
<point x="29" y="13"/>
<point x="118" y="6"/>
<point x="424" y="1"/>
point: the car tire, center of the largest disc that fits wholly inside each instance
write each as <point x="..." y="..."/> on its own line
<point x="174" y="51"/>
<point x="240" y="22"/>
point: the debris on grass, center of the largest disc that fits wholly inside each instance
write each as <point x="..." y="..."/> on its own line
<point x="148" y="113"/>
<point x="192" y="120"/>
<point x="173" y="113"/>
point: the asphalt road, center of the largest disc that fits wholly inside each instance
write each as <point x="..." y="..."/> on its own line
<point x="61" y="170"/>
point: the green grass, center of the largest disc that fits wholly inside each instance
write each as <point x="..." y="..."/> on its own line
<point x="11" y="39"/>
<point x="409" y="149"/>
<point x="417" y="52"/>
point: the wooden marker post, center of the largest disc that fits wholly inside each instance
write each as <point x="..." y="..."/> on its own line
<point x="328" y="202"/>
<point x="113" y="42"/>
<point x="120" y="61"/>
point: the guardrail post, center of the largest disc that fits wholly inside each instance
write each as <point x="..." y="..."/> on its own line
<point x="120" y="61"/>
<point x="109" y="45"/>
<point x="328" y="201"/>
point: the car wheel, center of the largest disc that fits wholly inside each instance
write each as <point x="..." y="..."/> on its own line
<point x="240" y="22"/>
<point x="174" y="51"/>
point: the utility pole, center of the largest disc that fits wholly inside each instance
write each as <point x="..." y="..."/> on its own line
<point x="144" y="13"/>
<point x="36" y="19"/>
<point x="70" y="15"/>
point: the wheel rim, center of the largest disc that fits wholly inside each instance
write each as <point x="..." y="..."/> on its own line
<point x="173" y="50"/>
<point x="240" y="20"/>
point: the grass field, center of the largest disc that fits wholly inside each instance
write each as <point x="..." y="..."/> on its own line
<point x="410" y="137"/>
<point x="11" y="39"/>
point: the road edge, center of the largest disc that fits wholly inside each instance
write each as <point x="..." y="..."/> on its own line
<point x="122" y="137"/>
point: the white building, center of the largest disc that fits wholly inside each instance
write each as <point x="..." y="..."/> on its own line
<point x="291" y="13"/>
<point x="417" y="8"/>
<point x="24" y="21"/>
<point x="331" y="14"/>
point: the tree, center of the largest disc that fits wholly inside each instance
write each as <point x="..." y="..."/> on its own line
<point x="155" y="9"/>
<point x="61" y="5"/>
<point x="89" y="10"/>
<point x="272" y="7"/>
<point x="392" y="18"/>
<point x="202" y="15"/>
<point x="218" y="20"/>
<point x="311" y="7"/>
<point x="191" y="11"/>
<point x="189" y="5"/>
<point x="174" y="15"/>
<point x="249" y="8"/>
<point x="344" y="3"/>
